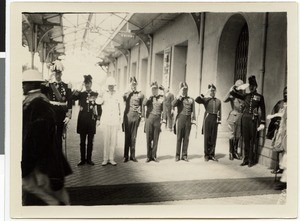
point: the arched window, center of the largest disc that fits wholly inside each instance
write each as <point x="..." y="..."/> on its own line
<point x="242" y="55"/>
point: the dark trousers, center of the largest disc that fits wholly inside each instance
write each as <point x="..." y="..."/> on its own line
<point x="249" y="127"/>
<point x="210" y="134"/>
<point x="131" y="123"/>
<point x="152" y="130"/>
<point x="183" y="134"/>
<point x="89" y="149"/>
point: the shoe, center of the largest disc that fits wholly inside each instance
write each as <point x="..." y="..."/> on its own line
<point x="133" y="159"/>
<point x="112" y="162"/>
<point x="206" y="158"/>
<point x="250" y="164"/>
<point x="177" y="159"/>
<point x="277" y="171"/>
<point x="185" y="159"/>
<point x="230" y="156"/>
<point x="104" y="163"/>
<point x="236" y="156"/>
<point x="89" y="162"/>
<point x="214" y="159"/>
<point x="148" y="160"/>
<point x="280" y="186"/>
<point x="155" y="160"/>
<point x="125" y="159"/>
<point x="244" y="163"/>
<point x="81" y="163"/>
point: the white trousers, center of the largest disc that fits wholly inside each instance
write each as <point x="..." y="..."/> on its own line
<point x="110" y="142"/>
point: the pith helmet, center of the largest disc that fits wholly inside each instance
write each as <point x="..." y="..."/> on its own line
<point x="32" y="75"/>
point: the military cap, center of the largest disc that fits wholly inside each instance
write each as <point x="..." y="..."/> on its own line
<point x="87" y="79"/>
<point x="252" y="80"/>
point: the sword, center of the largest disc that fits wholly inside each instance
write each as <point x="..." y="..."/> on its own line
<point x="65" y="138"/>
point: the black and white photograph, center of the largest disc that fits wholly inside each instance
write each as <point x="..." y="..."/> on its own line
<point x="133" y="106"/>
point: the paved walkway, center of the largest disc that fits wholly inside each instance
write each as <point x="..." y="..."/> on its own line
<point x="221" y="179"/>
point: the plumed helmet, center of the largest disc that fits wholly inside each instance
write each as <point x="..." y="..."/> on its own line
<point x="57" y="66"/>
<point x="133" y="80"/>
<point x="252" y="80"/>
<point x="154" y="85"/>
<point x="239" y="82"/>
<point x="32" y="75"/>
<point x="111" y="81"/>
<point x="87" y="79"/>
<point x="183" y="85"/>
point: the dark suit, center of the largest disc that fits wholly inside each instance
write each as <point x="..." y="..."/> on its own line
<point x="132" y="116"/>
<point x="168" y="99"/>
<point x="152" y="124"/>
<point x="250" y="121"/>
<point x="210" y="123"/>
<point x="88" y="114"/>
<point x="185" y="114"/>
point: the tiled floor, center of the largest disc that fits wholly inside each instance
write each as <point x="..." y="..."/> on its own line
<point x="167" y="170"/>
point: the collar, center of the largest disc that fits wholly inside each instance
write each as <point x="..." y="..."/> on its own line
<point x="34" y="91"/>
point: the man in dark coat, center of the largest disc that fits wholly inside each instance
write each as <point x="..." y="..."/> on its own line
<point x="250" y="119"/>
<point x="212" y="118"/>
<point x="168" y="115"/>
<point x="153" y="122"/>
<point x="60" y="95"/>
<point x="89" y="115"/>
<point x="184" y="119"/>
<point x="133" y="100"/>
<point x="44" y="166"/>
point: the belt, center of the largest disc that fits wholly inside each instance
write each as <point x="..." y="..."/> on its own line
<point x="58" y="103"/>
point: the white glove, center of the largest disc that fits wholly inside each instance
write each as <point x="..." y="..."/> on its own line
<point x="270" y="116"/>
<point x="98" y="123"/>
<point x="142" y="119"/>
<point x="66" y="120"/>
<point x="261" y="127"/>
<point x="194" y="122"/>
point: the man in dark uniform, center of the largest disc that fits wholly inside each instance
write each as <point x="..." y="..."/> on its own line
<point x="60" y="96"/>
<point x="212" y="117"/>
<point x="89" y="113"/>
<point x="153" y="122"/>
<point x="132" y="116"/>
<point x="250" y="119"/>
<point x="168" y="115"/>
<point x="43" y="165"/>
<point x="184" y="119"/>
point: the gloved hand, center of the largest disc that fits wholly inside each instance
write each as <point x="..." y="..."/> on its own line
<point x="180" y="94"/>
<point x="66" y="120"/>
<point x="270" y="116"/>
<point x="261" y="127"/>
<point x="98" y="123"/>
<point x="194" y="122"/>
<point x="218" y="122"/>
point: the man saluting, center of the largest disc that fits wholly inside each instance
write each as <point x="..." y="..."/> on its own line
<point x="132" y="116"/>
<point x="250" y="119"/>
<point x="60" y="96"/>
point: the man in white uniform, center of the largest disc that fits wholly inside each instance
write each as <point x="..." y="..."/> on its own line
<point x="111" y="118"/>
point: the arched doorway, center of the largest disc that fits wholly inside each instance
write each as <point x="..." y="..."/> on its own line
<point x="232" y="56"/>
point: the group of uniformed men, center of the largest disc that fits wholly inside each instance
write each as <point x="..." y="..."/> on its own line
<point x="156" y="109"/>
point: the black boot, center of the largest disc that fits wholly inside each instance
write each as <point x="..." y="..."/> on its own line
<point x="230" y="149"/>
<point x="234" y="148"/>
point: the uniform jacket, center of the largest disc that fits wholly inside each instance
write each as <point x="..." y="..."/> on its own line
<point x="64" y="91"/>
<point x="168" y="99"/>
<point x="154" y="105"/>
<point x="212" y="106"/>
<point x="133" y="102"/>
<point x="89" y="111"/>
<point x="253" y="102"/>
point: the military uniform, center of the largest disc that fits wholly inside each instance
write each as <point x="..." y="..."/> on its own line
<point x="152" y="124"/>
<point x="131" y="120"/>
<point x="185" y="115"/>
<point x="168" y="99"/>
<point x="89" y="113"/>
<point x="250" y="121"/>
<point x="212" y="116"/>
<point x="234" y="124"/>
<point x="60" y="97"/>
